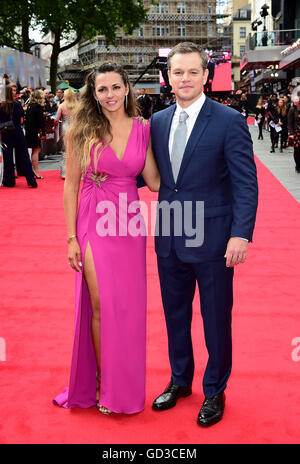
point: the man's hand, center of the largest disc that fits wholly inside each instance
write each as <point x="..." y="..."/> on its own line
<point x="236" y="251"/>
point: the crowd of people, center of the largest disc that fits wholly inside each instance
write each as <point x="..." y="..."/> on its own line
<point x="279" y="116"/>
<point x="30" y="110"/>
<point x="24" y="115"/>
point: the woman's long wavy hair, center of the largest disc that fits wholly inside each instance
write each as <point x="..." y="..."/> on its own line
<point x="89" y="125"/>
<point x="70" y="99"/>
<point x="6" y="105"/>
<point x="37" y="96"/>
<point x="281" y="109"/>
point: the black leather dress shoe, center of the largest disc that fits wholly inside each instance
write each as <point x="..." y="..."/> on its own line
<point x="212" y="410"/>
<point x="33" y="184"/>
<point x="169" y="397"/>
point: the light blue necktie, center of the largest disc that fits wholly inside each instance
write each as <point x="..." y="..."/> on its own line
<point x="179" y="144"/>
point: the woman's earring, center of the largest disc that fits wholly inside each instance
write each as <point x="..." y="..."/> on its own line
<point x="126" y="101"/>
<point x="99" y="107"/>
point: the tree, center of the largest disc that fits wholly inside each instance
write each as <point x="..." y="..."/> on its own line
<point x="84" y="19"/>
<point x="70" y="21"/>
<point x="14" y="24"/>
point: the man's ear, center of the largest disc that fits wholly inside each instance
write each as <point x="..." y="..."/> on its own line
<point x="205" y="76"/>
<point x="169" y="75"/>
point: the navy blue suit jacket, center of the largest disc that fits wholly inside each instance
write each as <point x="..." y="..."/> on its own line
<point x="218" y="169"/>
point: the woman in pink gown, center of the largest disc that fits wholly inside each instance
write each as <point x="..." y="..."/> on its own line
<point x="111" y="146"/>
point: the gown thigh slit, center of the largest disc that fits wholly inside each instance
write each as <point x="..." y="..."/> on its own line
<point x="90" y="277"/>
<point x="104" y="225"/>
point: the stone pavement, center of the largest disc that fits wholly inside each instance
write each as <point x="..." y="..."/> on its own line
<point x="51" y="162"/>
<point x="282" y="165"/>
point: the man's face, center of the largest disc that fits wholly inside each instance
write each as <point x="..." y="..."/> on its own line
<point x="59" y="93"/>
<point x="187" y="77"/>
<point x="46" y="93"/>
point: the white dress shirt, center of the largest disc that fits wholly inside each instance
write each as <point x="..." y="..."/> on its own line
<point x="193" y="111"/>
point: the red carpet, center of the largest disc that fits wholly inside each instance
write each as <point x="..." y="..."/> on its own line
<point x="36" y="294"/>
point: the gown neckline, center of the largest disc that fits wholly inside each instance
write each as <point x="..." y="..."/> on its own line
<point x="128" y="140"/>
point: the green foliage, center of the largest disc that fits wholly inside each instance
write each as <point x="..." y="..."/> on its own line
<point x="87" y="18"/>
<point x="9" y="21"/>
<point x="69" y="18"/>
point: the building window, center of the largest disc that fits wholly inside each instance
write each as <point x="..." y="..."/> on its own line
<point x="140" y="32"/>
<point x="243" y="13"/>
<point x="160" y="30"/>
<point x="181" y="8"/>
<point x="139" y="59"/>
<point x="162" y="7"/>
<point x="242" y="32"/>
<point x="242" y="50"/>
<point x="209" y="30"/>
<point x="181" y="30"/>
<point x="209" y="8"/>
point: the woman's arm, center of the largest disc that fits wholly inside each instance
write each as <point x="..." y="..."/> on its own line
<point x="41" y="119"/>
<point x="58" y="116"/>
<point x="150" y="172"/>
<point x="70" y="197"/>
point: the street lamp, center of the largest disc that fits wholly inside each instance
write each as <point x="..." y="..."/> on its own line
<point x="255" y="24"/>
<point x="264" y="13"/>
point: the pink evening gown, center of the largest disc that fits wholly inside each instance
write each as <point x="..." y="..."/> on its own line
<point x="120" y="264"/>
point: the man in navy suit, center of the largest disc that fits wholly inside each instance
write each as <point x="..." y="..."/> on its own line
<point x="205" y="158"/>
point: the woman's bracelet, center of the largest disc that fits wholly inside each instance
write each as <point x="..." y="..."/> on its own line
<point x="70" y="238"/>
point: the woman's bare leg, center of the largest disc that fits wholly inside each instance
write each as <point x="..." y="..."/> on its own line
<point x="35" y="160"/>
<point x="90" y="276"/>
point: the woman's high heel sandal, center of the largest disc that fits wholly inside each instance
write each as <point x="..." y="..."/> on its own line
<point x="36" y="176"/>
<point x="101" y="408"/>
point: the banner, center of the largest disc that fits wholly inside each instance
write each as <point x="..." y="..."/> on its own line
<point x="22" y="68"/>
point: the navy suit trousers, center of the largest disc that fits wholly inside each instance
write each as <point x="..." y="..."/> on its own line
<point x="178" y="282"/>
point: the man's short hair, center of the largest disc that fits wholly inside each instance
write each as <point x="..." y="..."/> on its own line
<point x="188" y="47"/>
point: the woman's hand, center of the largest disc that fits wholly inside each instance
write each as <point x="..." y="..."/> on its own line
<point x="74" y="255"/>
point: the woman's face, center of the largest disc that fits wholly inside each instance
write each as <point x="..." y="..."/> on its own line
<point x="110" y="91"/>
<point x="280" y="102"/>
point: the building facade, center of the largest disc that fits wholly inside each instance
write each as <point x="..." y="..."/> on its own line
<point x="267" y="46"/>
<point x="241" y="28"/>
<point x="167" y="23"/>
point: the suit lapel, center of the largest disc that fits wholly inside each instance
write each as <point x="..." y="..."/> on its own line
<point x="166" y="132"/>
<point x="196" y="134"/>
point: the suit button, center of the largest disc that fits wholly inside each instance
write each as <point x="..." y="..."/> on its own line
<point x="175" y="190"/>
